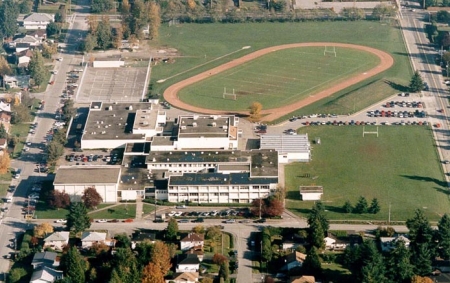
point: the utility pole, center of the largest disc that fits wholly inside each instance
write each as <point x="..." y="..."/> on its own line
<point x="260" y="205"/>
<point x="389" y="217"/>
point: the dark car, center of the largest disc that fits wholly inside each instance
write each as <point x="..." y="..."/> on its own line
<point x="262" y="220"/>
<point x="198" y="220"/>
<point x="183" y="221"/>
<point x="158" y="221"/>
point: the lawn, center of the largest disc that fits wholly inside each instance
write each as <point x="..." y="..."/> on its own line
<point x="148" y="208"/>
<point x="205" y="43"/>
<point x="400" y="168"/>
<point x="44" y="211"/>
<point x="123" y="211"/>
<point x="278" y="78"/>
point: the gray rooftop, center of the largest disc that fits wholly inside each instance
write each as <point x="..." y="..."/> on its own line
<point x="39" y="17"/>
<point x="207" y="179"/>
<point x="159" y="140"/>
<point x="87" y="175"/>
<point x="205" y="126"/>
<point x="133" y="176"/>
<point x="286" y="143"/>
<point x="107" y="121"/>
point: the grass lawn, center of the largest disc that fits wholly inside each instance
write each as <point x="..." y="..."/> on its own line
<point x="400" y="168"/>
<point x="148" y="208"/>
<point x="279" y="78"/>
<point x="122" y="211"/>
<point x="201" y="43"/>
<point x="335" y="272"/>
<point x="44" y="211"/>
<point x="3" y="189"/>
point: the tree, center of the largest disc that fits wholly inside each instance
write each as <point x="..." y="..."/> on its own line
<point x="420" y="231"/>
<point x="59" y="199"/>
<point x="398" y="265"/>
<point x="443" y="16"/>
<point x="54" y="151"/>
<point x="152" y="274"/>
<point x="318" y="212"/>
<point x="224" y="271"/>
<point x="145" y="251"/>
<point x="5" y="69"/>
<point x="365" y="262"/>
<point x="100" y="6"/>
<point x="91" y="198"/>
<point x="172" y="229"/>
<point x="21" y="113"/>
<point x="420" y="279"/>
<point x="49" y="49"/>
<point x="89" y="43"/>
<point x="213" y="233"/>
<point x="199" y="229"/>
<point x="99" y="248"/>
<point x="36" y="67"/>
<point x="25" y="6"/>
<point x="61" y="15"/>
<point x="125" y="7"/>
<point x="104" y="35"/>
<point x="274" y="208"/>
<point x="255" y="111"/>
<point x="312" y="265"/>
<point x="316" y="234"/>
<point x="53" y="29"/>
<point x="361" y="205"/>
<point x="374" y="206"/>
<point x="382" y="10"/>
<point x="416" y="84"/>
<point x="3" y="132"/>
<point x="78" y="219"/>
<point x="74" y="266"/>
<point x="219" y="258"/>
<point x="443" y="237"/>
<point x="5" y="162"/>
<point x="353" y="14"/>
<point x="161" y="257"/>
<point x="43" y="229"/>
<point x="125" y="267"/>
<point x="122" y="240"/>
<point x="117" y="37"/>
<point x="421" y="260"/>
<point x="16" y="274"/>
<point x="154" y="19"/>
<point x="9" y="11"/>
<point x="93" y="24"/>
<point x="266" y="245"/>
<point x="347" y="207"/>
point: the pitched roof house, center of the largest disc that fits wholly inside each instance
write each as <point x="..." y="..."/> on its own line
<point x="333" y="242"/>
<point x="89" y="238"/>
<point x="188" y="263"/>
<point x="191" y="240"/>
<point x="293" y="260"/>
<point x="185" y="277"/>
<point x="3" y="143"/>
<point x="38" y="21"/>
<point x="57" y="240"/>
<point x="388" y="243"/>
<point x="45" y="274"/>
<point x="141" y="237"/>
<point x="302" y="279"/>
<point x="48" y="259"/>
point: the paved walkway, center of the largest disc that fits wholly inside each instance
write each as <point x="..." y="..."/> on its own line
<point x="139" y="208"/>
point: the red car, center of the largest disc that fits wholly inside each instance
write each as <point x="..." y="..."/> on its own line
<point x="129" y="220"/>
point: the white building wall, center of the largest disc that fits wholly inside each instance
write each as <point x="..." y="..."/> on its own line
<point x="187" y="267"/>
<point x="129" y="195"/>
<point x="96" y="144"/>
<point x="108" y="64"/>
<point x="108" y="192"/>
<point x="163" y="147"/>
<point x="311" y="196"/>
<point x="35" y="25"/>
<point x="205" y="143"/>
<point x="293" y="157"/>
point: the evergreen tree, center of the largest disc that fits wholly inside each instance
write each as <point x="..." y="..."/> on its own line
<point x="312" y="265"/>
<point x="318" y="212"/>
<point x="361" y="206"/>
<point x="36" y="67"/>
<point x="172" y="229"/>
<point x="421" y="259"/>
<point x="224" y="271"/>
<point x="78" y="219"/>
<point x="316" y="236"/>
<point x="125" y="267"/>
<point x="422" y="246"/>
<point x="398" y="265"/>
<point x="266" y="246"/>
<point x="347" y="207"/>
<point x="104" y="34"/>
<point x="374" y="206"/>
<point x="416" y="84"/>
<point x="154" y="19"/>
<point x="443" y="237"/>
<point x="9" y="11"/>
<point x="74" y="266"/>
<point x="372" y="270"/>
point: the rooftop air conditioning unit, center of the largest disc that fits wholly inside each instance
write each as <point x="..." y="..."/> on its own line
<point x="194" y="124"/>
<point x="214" y="124"/>
<point x="130" y="107"/>
<point x="225" y="127"/>
<point x="183" y="127"/>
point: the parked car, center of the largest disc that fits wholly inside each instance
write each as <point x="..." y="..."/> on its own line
<point x="172" y="213"/>
<point x="129" y="220"/>
<point x="198" y="220"/>
<point x="183" y="221"/>
<point x="61" y="221"/>
<point x="180" y="206"/>
<point x="230" y="221"/>
<point x="262" y="220"/>
<point x="102" y="221"/>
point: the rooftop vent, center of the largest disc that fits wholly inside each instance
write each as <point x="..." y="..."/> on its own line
<point x="110" y="108"/>
<point x="194" y="124"/>
<point x="183" y="127"/>
<point x="130" y="107"/>
<point x="214" y="124"/>
<point x="217" y="152"/>
<point x="215" y="117"/>
<point x="185" y="152"/>
<point x="103" y="132"/>
<point x="101" y="122"/>
<point x="195" y="117"/>
<point x="114" y="115"/>
<point x="225" y="127"/>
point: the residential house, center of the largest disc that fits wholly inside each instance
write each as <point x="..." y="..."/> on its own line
<point x="40" y="34"/>
<point x="192" y="240"/>
<point x="441" y="265"/>
<point x="188" y="263"/>
<point x="198" y="251"/>
<point x="24" y="42"/>
<point x="293" y="260"/>
<point x="289" y="245"/>
<point x="3" y="144"/>
<point x="23" y="58"/>
<point x="89" y="238"/>
<point x="16" y="81"/>
<point x="141" y="237"/>
<point x="5" y="106"/>
<point x="45" y="274"/>
<point x="302" y="279"/>
<point x="333" y="242"/>
<point x="49" y="259"/>
<point x="57" y="240"/>
<point x="388" y="243"/>
<point x="37" y="21"/>
<point x="184" y="277"/>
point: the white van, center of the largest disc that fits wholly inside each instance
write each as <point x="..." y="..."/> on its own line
<point x="17" y="173"/>
<point x="9" y="199"/>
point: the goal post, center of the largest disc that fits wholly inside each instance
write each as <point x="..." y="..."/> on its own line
<point x="229" y="95"/>
<point x="369" y="132"/>
<point x="330" y="50"/>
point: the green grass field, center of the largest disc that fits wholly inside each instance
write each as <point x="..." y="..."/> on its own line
<point x="201" y="43"/>
<point x="278" y="78"/>
<point x="400" y="167"/>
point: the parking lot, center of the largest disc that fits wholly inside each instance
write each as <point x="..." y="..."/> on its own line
<point x="112" y="84"/>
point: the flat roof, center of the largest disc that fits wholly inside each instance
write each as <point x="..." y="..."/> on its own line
<point x="145" y="119"/>
<point x="199" y="179"/>
<point x="138" y="147"/>
<point x="87" y="174"/>
<point x="134" y="175"/>
<point x="107" y="121"/>
<point x="234" y="167"/>
<point x="286" y="143"/>
<point x="159" y="140"/>
<point x="195" y="126"/>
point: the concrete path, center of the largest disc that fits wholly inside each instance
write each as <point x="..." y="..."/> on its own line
<point x="139" y="208"/>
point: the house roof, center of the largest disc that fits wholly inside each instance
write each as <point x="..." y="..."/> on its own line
<point x="26" y="39"/>
<point x="303" y="279"/>
<point x="49" y="257"/>
<point x="144" y="236"/>
<point x="295" y="256"/>
<point x="394" y="239"/>
<point x="58" y="237"/>
<point x="193" y="237"/>
<point x="37" y="33"/>
<point x="3" y="142"/>
<point x="39" y="17"/>
<point x="186" y="276"/>
<point x="189" y="259"/>
<point x="46" y="274"/>
<point x="5" y="107"/>
<point x="93" y="236"/>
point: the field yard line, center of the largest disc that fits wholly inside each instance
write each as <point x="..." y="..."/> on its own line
<point x="171" y="93"/>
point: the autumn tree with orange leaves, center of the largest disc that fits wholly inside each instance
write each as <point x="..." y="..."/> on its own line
<point x="161" y="257"/>
<point x="152" y="274"/>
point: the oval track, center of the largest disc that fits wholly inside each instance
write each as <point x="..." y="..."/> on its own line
<point x="171" y="93"/>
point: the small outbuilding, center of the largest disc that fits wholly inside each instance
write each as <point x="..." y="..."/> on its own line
<point x="311" y="192"/>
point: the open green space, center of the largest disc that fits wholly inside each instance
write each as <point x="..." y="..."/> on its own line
<point x="201" y="45"/>
<point x="123" y="211"/>
<point x="279" y="78"/>
<point x="400" y="168"/>
<point x="45" y="211"/>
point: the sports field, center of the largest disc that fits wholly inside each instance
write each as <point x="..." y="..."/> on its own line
<point x="400" y="167"/>
<point x="278" y="78"/>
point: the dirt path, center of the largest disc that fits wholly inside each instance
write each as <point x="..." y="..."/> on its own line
<point x="171" y="93"/>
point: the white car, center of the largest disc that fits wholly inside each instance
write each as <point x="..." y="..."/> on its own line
<point x="59" y="59"/>
<point x="102" y="221"/>
<point x="55" y="71"/>
<point x="33" y="196"/>
<point x="61" y="221"/>
<point x="178" y="214"/>
<point x="172" y="213"/>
